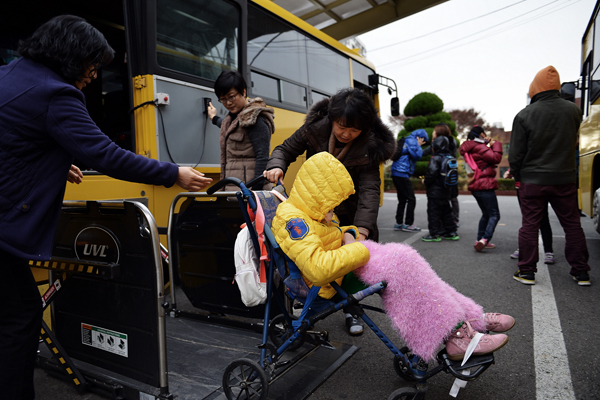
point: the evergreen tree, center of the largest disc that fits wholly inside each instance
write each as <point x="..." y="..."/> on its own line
<point x="425" y="111"/>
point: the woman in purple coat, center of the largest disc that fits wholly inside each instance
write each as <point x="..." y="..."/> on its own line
<point x="486" y="154"/>
<point x="44" y="125"/>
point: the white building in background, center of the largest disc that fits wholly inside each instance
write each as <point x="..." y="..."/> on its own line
<point x="355" y="44"/>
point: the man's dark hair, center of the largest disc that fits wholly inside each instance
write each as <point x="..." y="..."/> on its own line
<point x="352" y="108"/>
<point x="68" y="45"/>
<point x="228" y="80"/>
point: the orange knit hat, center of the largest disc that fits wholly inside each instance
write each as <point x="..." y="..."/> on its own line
<point x="546" y="79"/>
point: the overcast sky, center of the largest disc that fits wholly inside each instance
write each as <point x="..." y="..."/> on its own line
<point x="479" y="53"/>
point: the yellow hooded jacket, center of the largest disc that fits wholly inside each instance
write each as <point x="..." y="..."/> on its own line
<point x="299" y="225"/>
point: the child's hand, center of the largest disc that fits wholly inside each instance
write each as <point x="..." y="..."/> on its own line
<point x="348" y="238"/>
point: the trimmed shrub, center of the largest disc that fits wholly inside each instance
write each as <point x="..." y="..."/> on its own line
<point x="439" y="117"/>
<point x="423" y="104"/>
<point x="415" y="123"/>
<point x="506" y="184"/>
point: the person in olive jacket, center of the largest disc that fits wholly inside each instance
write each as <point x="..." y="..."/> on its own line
<point x="542" y="158"/>
<point x="346" y="126"/>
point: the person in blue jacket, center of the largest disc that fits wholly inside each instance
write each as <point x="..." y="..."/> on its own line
<point x="44" y="125"/>
<point x="408" y="152"/>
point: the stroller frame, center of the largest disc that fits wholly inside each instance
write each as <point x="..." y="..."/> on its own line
<point x="247" y="379"/>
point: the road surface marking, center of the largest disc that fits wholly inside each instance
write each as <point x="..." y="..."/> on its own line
<point x="553" y="376"/>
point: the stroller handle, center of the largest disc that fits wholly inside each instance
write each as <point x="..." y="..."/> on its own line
<point x="235" y="181"/>
<point x="223" y="182"/>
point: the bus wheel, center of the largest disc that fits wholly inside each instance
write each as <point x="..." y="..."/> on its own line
<point x="596" y="210"/>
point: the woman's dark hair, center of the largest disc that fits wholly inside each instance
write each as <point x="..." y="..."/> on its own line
<point x="68" y="45"/>
<point x="352" y="108"/>
<point x="443" y="130"/>
<point x="475" y="132"/>
<point x="228" y="80"/>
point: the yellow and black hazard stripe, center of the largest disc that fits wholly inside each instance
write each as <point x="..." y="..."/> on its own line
<point x="59" y="354"/>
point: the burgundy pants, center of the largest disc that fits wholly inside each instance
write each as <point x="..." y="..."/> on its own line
<point x="563" y="199"/>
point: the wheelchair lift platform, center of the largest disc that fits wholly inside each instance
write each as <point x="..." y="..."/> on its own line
<point x="197" y="354"/>
<point x="116" y="333"/>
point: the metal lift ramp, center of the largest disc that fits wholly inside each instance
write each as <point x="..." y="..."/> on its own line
<point x="110" y="317"/>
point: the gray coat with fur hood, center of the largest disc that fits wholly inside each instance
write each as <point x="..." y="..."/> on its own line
<point x="368" y="151"/>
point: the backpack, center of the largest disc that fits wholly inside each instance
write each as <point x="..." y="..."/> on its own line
<point x="399" y="147"/>
<point x="252" y="284"/>
<point x="250" y="271"/>
<point x="449" y="171"/>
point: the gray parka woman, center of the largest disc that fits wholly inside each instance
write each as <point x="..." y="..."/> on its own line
<point x="246" y="131"/>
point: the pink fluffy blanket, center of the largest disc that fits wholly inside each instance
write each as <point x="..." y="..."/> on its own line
<point x="423" y="308"/>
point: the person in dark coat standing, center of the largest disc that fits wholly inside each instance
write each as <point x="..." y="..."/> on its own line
<point x="486" y="154"/>
<point x="439" y="212"/>
<point x="44" y="124"/>
<point x="346" y="126"/>
<point x="543" y="144"/>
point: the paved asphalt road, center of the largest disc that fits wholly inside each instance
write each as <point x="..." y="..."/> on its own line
<point x="553" y="349"/>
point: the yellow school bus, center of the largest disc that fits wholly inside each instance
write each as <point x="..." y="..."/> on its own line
<point x="150" y="99"/>
<point x="586" y="92"/>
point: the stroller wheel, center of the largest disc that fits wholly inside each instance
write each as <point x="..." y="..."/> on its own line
<point x="280" y="331"/>
<point x="244" y="379"/>
<point x="406" y="393"/>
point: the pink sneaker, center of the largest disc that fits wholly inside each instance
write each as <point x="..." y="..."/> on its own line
<point x="480" y="244"/>
<point x="496" y="322"/>
<point x="490" y="246"/>
<point x="457" y="344"/>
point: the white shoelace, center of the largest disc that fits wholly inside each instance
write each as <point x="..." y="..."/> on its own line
<point x="459" y="383"/>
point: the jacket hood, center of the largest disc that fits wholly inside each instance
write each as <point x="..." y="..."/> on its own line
<point x="253" y="109"/>
<point x="440" y="144"/>
<point x="321" y="184"/>
<point x="381" y="140"/>
<point x="420" y="133"/>
<point x="546" y="79"/>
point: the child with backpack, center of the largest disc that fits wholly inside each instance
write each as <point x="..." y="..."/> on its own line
<point x="440" y="177"/>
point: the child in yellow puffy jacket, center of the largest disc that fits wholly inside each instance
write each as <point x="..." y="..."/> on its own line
<point x="425" y="310"/>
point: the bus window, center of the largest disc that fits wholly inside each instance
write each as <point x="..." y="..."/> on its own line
<point x="316" y="97"/>
<point x="293" y="94"/>
<point x="327" y="70"/>
<point x="265" y="86"/>
<point x="197" y="37"/>
<point x="360" y="73"/>
<point x="275" y="47"/>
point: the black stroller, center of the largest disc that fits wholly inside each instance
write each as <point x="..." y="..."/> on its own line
<point x="249" y="379"/>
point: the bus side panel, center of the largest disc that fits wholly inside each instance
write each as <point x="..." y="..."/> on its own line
<point x="286" y="123"/>
<point x="589" y="161"/>
<point x="189" y="138"/>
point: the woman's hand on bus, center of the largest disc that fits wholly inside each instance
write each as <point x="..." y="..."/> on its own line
<point x="274" y="175"/>
<point x="212" y="111"/>
<point x="75" y="175"/>
<point x="192" y="180"/>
